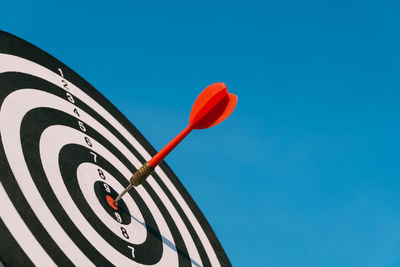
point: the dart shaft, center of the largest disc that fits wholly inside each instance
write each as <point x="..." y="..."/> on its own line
<point x="169" y="147"/>
<point x="143" y="172"/>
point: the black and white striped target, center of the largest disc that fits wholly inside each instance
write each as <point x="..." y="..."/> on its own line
<point x="65" y="153"/>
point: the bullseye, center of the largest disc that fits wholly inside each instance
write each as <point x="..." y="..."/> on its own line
<point x="106" y="195"/>
<point x="111" y="202"/>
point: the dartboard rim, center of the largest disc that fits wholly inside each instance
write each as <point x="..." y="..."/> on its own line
<point x="13" y="45"/>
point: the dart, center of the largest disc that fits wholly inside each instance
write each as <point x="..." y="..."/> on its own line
<point x="212" y="106"/>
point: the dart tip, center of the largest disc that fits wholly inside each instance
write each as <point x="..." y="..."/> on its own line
<point x="118" y="198"/>
<point x="123" y="193"/>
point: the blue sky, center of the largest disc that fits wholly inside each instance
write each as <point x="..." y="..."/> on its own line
<point x="306" y="170"/>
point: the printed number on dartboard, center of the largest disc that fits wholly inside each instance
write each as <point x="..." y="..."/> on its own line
<point x="107" y="188"/>
<point x="87" y="140"/>
<point x="124" y="232"/>
<point x="101" y="174"/>
<point x="82" y="127"/>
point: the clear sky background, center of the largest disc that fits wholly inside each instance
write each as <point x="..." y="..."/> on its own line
<point x="306" y="170"/>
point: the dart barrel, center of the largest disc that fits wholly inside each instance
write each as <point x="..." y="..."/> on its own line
<point x="141" y="174"/>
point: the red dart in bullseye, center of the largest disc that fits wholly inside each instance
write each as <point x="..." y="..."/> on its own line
<point x="211" y="107"/>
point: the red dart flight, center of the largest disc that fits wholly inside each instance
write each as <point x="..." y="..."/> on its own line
<point x="211" y="107"/>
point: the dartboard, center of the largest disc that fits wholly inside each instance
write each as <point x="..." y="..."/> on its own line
<point x="65" y="154"/>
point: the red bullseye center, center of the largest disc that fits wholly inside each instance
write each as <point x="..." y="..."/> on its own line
<point x="111" y="202"/>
